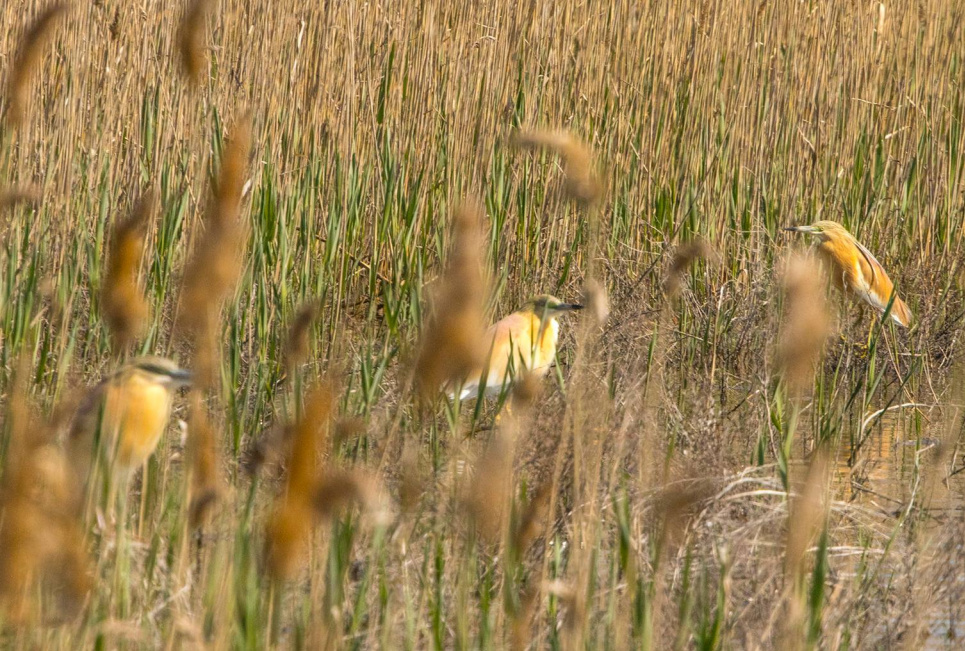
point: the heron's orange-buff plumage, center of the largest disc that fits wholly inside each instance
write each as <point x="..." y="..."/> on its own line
<point x="524" y="340"/>
<point x="855" y="270"/>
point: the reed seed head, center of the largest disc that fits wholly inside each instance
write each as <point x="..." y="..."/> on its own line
<point x="125" y="308"/>
<point x="685" y="256"/>
<point x="453" y="341"/>
<point x="191" y="35"/>
<point x="581" y="181"/>
<point x="297" y="345"/>
<point x="806" y="322"/>
<point x="28" y="58"/>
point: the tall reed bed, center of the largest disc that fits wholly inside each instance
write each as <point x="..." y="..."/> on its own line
<point x="698" y="470"/>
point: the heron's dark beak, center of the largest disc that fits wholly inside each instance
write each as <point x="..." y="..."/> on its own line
<point x="800" y="229"/>
<point x="181" y="377"/>
<point x="569" y="307"/>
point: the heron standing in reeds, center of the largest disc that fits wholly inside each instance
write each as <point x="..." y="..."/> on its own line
<point x="855" y="271"/>
<point x="523" y="341"/>
<point x="122" y="420"/>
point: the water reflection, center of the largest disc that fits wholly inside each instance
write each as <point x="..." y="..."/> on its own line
<point x="882" y="471"/>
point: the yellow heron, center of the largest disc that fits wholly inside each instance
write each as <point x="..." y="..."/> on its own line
<point x="524" y="340"/>
<point x="854" y="270"/>
<point x="124" y="416"/>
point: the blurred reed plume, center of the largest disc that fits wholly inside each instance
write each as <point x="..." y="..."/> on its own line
<point x="290" y="524"/>
<point x="216" y="262"/>
<point x="297" y="345"/>
<point x="806" y="322"/>
<point x="14" y="196"/>
<point x="686" y="255"/>
<point x="486" y="497"/>
<point x="29" y="55"/>
<point x="202" y="449"/>
<point x="581" y="181"/>
<point x="411" y="480"/>
<point x="191" y="35"/>
<point x="595" y="300"/>
<point x="532" y="520"/>
<point x="807" y="516"/>
<point x="573" y="602"/>
<point x="453" y="341"/>
<point x="675" y="505"/>
<point x="338" y="489"/>
<point x="41" y="544"/>
<point x="125" y="309"/>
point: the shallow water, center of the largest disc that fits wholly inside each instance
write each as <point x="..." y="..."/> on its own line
<point x="894" y="462"/>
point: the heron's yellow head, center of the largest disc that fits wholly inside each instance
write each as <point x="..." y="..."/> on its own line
<point x="825" y="230"/>
<point x="548" y="307"/>
<point x="160" y="370"/>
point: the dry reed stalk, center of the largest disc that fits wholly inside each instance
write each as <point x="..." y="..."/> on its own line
<point x="215" y="265"/>
<point x="290" y="524"/>
<point x="191" y="35"/>
<point x="202" y="449"/>
<point x="125" y="308"/>
<point x="686" y="255"/>
<point x="581" y="181"/>
<point x="297" y="345"/>
<point x="806" y="323"/>
<point x="453" y="342"/>
<point x="14" y="196"/>
<point x="29" y="56"/>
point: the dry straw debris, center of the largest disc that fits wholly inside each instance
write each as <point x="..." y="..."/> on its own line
<point x="28" y="58"/>
<point x="453" y="342"/>
<point x="125" y="308"/>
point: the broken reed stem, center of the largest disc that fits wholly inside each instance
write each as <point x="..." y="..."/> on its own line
<point x="29" y="56"/>
<point x="125" y="308"/>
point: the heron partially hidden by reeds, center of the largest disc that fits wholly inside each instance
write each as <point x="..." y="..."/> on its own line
<point x="523" y="341"/>
<point x="122" y="420"/>
<point x="855" y="271"/>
